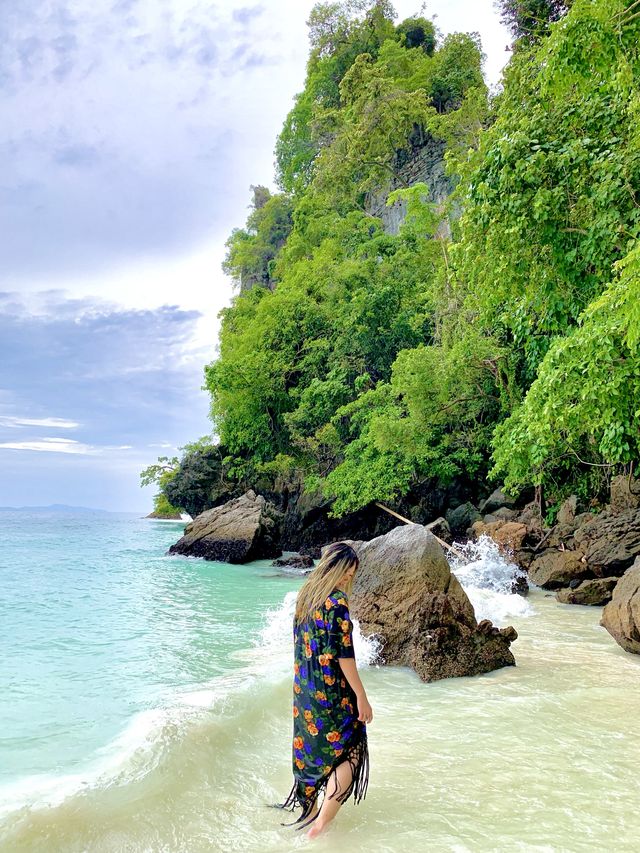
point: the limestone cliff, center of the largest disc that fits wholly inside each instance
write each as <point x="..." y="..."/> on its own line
<point x="422" y="162"/>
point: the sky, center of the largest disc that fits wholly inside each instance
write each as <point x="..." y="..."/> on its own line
<point x="130" y="133"/>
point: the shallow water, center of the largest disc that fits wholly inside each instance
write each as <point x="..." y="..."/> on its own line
<point x="543" y="756"/>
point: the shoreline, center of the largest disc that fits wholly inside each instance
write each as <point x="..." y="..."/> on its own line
<point x="474" y="698"/>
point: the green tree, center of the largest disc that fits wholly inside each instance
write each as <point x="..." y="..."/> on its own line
<point x="251" y="251"/>
<point x="161" y="473"/>
<point x="417" y="32"/>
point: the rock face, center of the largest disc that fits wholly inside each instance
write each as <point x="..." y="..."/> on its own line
<point x="625" y="493"/>
<point x="423" y="161"/>
<point x="553" y="569"/>
<point x="405" y="593"/>
<point x="621" y="617"/>
<point x="307" y="526"/>
<point x="595" y="592"/>
<point x="610" y="542"/>
<point x="243" y="529"/>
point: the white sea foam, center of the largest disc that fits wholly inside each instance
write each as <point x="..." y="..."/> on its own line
<point x="48" y="790"/>
<point x="139" y="747"/>
<point x="275" y="639"/>
<point x="487" y="577"/>
<point x="133" y="753"/>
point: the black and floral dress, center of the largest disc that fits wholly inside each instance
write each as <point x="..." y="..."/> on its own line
<point x="326" y="729"/>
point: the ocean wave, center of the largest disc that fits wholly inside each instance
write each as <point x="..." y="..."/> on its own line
<point x="205" y="719"/>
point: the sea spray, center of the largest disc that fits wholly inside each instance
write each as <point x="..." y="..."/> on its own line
<point x="275" y="640"/>
<point x="487" y="577"/>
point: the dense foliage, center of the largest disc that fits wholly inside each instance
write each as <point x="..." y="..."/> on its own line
<point x="498" y="333"/>
<point x="251" y="251"/>
<point x="529" y="20"/>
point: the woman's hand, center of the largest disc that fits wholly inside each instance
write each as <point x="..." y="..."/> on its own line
<point x="365" y="713"/>
<point x="350" y="671"/>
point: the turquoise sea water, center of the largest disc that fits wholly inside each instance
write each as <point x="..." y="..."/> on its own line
<point x="99" y="626"/>
<point x="145" y="707"/>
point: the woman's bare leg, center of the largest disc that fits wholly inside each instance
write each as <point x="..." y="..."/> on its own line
<point x="339" y="780"/>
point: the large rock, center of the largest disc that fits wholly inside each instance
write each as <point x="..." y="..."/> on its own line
<point x="246" y="528"/>
<point x="567" y="512"/>
<point x="609" y="542"/>
<point x="497" y="499"/>
<point x="505" y="514"/>
<point x="553" y="569"/>
<point x="405" y="593"/>
<point x="594" y="592"/>
<point x="621" y="617"/>
<point x="295" y="561"/>
<point x="509" y="535"/>
<point x="625" y="493"/>
<point x="462" y="517"/>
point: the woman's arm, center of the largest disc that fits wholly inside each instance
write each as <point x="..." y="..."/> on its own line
<point x="350" y="670"/>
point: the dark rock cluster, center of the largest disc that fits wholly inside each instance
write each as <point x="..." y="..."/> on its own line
<point x="585" y="558"/>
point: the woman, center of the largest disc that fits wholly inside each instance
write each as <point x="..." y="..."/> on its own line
<point x="330" y="706"/>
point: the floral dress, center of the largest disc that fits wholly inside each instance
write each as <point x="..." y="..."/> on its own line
<point x="326" y="729"/>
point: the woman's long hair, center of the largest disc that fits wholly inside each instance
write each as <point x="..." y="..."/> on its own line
<point x="336" y="559"/>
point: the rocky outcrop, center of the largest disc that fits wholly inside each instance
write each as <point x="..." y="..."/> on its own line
<point x="594" y="592"/>
<point x="405" y="593"/>
<point x="243" y="529"/>
<point x="165" y="516"/>
<point x="307" y="525"/>
<point x="295" y="561"/>
<point x="621" y="617"/>
<point x="553" y="569"/>
<point x="423" y="162"/>
<point x="610" y="542"/>
<point x="578" y="550"/>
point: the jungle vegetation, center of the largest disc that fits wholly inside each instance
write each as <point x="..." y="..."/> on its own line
<point x="495" y="336"/>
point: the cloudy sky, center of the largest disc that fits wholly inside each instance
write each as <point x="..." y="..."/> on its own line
<point x="130" y="131"/>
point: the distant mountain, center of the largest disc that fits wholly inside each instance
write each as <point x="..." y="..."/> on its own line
<point x="72" y="510"/>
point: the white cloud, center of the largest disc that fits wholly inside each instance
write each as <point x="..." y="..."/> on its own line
<point x="55" y="423"/>
<point x="61" y="445"/>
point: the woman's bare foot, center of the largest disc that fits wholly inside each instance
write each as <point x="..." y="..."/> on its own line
<point x="339" y="780"/>
<point x="316" y="829"/>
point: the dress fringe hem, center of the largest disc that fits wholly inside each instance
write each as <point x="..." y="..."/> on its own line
<point x="358" y="757"/>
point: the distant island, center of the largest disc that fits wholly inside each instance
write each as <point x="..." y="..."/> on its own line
<point x="59" y="508"/>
